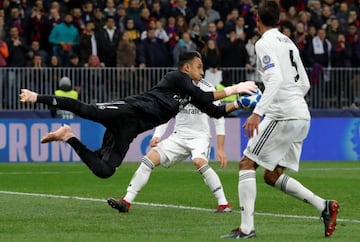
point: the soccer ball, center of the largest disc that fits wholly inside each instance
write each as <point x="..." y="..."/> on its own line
<point x="248" y="102"/>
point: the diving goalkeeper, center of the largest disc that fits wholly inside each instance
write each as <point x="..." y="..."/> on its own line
<point x="124" y="119"/>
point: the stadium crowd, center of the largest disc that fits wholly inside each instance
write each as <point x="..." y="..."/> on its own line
<point x="154" y="33"/>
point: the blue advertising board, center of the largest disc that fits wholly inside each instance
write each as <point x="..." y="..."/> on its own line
<point x="329" y="139"/>
<point x="20" y="139"/>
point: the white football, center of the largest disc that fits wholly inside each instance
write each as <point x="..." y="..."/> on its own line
<point x="248" y="102"/>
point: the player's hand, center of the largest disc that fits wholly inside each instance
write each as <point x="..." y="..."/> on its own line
<point x="248" y="87"/>
<point x="221" y="156"/>
<point x="252" y="125"/>
<point x="154" y="141"/>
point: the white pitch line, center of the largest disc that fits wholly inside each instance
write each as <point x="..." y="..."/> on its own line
<point x="166" y="205"/>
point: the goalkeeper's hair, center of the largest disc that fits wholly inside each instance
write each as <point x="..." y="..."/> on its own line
<point x="187" y="57"/>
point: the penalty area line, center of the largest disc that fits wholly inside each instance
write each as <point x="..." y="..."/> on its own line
<point x="164" y="205"/>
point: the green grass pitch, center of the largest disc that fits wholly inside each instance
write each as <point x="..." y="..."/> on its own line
<point x="65" y="202"/>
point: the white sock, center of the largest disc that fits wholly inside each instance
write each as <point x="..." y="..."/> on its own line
<point x="296" y="189"/>
<point x="139" y="180"/>
<point x="212" y="180"/>
<point x="247" y="196"/>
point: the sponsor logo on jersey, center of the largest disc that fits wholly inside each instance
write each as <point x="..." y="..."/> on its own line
<point x="182" y="101"/>
<point x="266" y="59"/>
<point x="268" y="66"/>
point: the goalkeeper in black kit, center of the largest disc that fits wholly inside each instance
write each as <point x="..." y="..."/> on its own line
<point x="124" y="119"/>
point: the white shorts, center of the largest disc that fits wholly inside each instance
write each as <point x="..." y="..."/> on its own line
<point x="174" y="149"/>
<point x="279" y="142"/>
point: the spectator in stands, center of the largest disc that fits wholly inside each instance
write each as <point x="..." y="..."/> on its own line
<point x="108" y="39"/>
<point x="201" y="20"/>
<point x="172" y="32"/>
<point x="54" y="62"/>
<point x="353" y="18"/>
<point x="181" y="24"/>
<point x="16" y="20"/>
<point x="153" y="52"/>
<point x="314" y="7"/>
<point x="234" y="53"/>
<point x="35" y="46"/>
<point x="133" y="32"/>
<point x="133" y="11"/>
<point x="4" y="54"/>
<point x="125" y="57"/>
<point x="88" y="43"/>
<point x="17" y="48"/>
<point x="180" y="9"/>
<point x="78" y="21"/>
<point x="120" y="18"/>
<point x="51" y="21"/>
<point x="109" y="9"/>
<point x="318" y="56"/>
<point x="211" y="57"/>
<point x="64" y="37"/>
<point x="213" y="34"/>
<point x="17" y="58"/>
<point x="184" y="45"/>
<point x="304" y="17"/>
<point x="352" y="37"/>
<point x="342" y="15"/>
<point x="88" y="11"/>
<point x="159" y="30"/>
<point x="74" y="61"/>
<point x="300" y="39"/>
<point x="2" y="23"/>
<point x="143" y="22"/>
<point x="230" y="21"/>
<point x="196" y="37"/>
<point x="126" y="51"/>
<point x="292" y="16"/>
<point x="341" y="55"/>
<point x="99" y="19"/>
<point x="95" y="74"/>
<point x="37" y="25"/>
<point x="251" y="74"/>
<point x="64" y="90"/>
<point x="157" y="10"/>
<point x="333" y="30"/>
<point x="211" y="13"/>
<point x="241" y="30"/>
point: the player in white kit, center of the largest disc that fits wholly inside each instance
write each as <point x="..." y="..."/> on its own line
<point x="191" y="137"/>
<point x="275" y="143"/>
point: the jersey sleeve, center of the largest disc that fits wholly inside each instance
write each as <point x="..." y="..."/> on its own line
<point x="160" y="130"/>
<point x="270" y="68"/>
<point x="195" y="92"/>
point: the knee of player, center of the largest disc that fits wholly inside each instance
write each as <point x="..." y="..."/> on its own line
<point x="199" y="162"/>
<point x="270" y="177"/>
<point x="247" y="164"/>
<point x="104" y="173"/>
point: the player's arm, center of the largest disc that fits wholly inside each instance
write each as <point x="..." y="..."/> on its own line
<point x="248" y="87"/>
<point x="220" y="136"/>
<point x="271" y="73"/>
<point x="158" y="133"/>
<point x="214" y="110"/>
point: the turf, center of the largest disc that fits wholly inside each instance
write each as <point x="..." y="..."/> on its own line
<point x="29" y="214"/>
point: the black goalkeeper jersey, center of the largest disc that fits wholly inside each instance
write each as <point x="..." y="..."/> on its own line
<point x="170" y="95"/>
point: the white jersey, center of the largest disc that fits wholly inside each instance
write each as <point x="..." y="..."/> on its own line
<point x="191" y="122"/>
<point x="284" y="76"/>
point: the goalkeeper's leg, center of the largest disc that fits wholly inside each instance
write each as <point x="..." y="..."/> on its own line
<point x="87" y="111"/>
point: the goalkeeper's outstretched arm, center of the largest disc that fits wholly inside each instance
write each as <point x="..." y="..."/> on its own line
<point x="248" y="87"/>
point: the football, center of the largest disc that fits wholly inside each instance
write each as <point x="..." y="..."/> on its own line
<point x="248" y="102"/>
